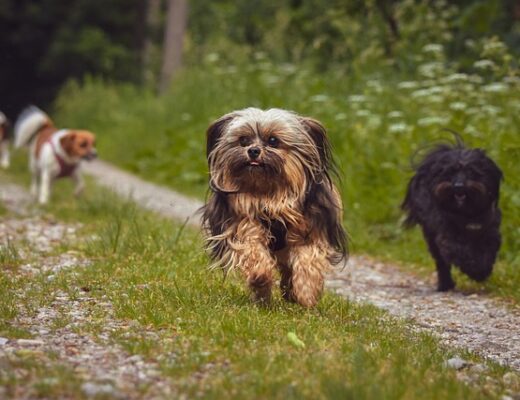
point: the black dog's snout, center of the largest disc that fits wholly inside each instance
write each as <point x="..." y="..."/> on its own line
<point x="458" y="186"/>
<point x="254" y="152"/>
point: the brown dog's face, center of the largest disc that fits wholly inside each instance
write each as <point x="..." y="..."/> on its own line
<point x="256" y="151"/>
<point x="79" y="144"/>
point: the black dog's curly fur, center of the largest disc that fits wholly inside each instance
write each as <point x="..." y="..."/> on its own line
<point x="453" y="196"/>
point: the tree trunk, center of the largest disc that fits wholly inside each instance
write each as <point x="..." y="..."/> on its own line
<point x="176" y="20"/>
<point x="152" y="20"/>
<point x="385" y="8"/>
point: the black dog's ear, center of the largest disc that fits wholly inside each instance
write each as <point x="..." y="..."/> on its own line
<point x="215" y="131"/>
<point x="319" y="135"/>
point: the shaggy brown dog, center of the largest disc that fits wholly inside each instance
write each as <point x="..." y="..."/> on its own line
<point x="273" y="205"/>
<point x="453" y="196"/>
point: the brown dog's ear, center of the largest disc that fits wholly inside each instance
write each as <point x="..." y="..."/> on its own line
<point x="319" y="136"/>
<point x="67" y="141"/>
<point x="215" y="131"/>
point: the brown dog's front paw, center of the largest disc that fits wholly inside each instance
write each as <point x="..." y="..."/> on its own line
<point x="260" y="287"/>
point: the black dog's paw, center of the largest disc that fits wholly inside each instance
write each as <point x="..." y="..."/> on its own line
<point x="445" y="286"/>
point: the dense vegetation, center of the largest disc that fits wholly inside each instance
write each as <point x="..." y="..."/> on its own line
<point x="384" y="77"/>
<point x="376" y="125"/>
<point x="47" y="42"/>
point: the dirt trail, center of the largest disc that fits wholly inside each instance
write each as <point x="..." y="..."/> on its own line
<point x="475" y="322"/>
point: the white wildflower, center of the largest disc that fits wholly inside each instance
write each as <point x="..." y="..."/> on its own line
<point x="374" y="121"/>
<point x="212" y="57"/>
<point x="458" y="106"/>
<point x="429" y="121"/>
<point x="471" y="130"/>
<point x="288" y="68"/>
<point x="272" y="80"/>
<point x="363" y="113"/>
<point x="395" y="114"/>
<point x="259" y="55"/>
<point x="473" y="111"/>
<point x="484" y="64"/>
<point x="495" y="88"/>
<point x="477" y="79"/>
<point x="375" y="85"/>
<point x="340" y="117"/>
<point x="357" y="98"/>
<point x="512" y="80"/>
<point x="231" y="69"/>
<point x="431" y="69"/>
<point x="398" y="128"/>
<point x="407" y="85"/>
<point x="456" y="78"/>
<point x="491" y="110"/>
<point x="320" y="98"/>
<point x="434" y="48"/>
<point x="494" y="46"/>
<point x="420" y="93"/>
<point x="436" y="90"/>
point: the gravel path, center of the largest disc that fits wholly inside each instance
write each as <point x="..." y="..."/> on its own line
<point x="60" y="330"/>
<point x="475" y="322"/>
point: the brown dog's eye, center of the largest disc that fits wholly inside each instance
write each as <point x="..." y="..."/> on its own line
<point x="243" y="140"/>
<point x="83" y="144"/>
<point x="272" y="141"/>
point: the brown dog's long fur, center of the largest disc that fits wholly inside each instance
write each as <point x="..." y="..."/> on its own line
<point x="280" y="211"/>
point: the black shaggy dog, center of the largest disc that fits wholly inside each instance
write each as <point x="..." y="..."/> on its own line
<point x="453" y="196"/>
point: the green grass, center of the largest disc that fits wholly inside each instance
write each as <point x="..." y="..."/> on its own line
<point x="375" y="126"/>
<point x="212" y="342"/>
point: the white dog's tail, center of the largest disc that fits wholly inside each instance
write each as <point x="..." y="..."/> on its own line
<point x="30" y="121"/>
<point x="3" y="118"/>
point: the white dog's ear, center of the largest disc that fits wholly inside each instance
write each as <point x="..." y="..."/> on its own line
<point x="215" y="131"/>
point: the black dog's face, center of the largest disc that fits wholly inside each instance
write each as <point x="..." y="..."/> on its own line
<point x="465" y="181"/>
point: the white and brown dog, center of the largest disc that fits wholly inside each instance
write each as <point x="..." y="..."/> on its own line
<point x="53" y="153"/>
<point x="4" y="141"/>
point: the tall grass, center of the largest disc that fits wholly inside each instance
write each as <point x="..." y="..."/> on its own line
<point x="375" y="124"/>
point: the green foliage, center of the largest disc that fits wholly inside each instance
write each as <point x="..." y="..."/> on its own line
<point x="49" y="41"/>
<point x="358" y="36"/>
<point x="376" y="125"/>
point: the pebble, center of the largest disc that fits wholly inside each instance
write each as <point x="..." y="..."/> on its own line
<point x="479" y="368"/>
<point x="456" y="363"/>
<point x="30" y="342"/>
<point x="91" y="389"/>
<point x="3" y="341"/>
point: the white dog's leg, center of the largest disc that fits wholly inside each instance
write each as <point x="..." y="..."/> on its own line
<point x="77" y="177"/>
<point x="45" y="186"/>
<point x="4" y="150"/>
<point x="34" y="183"/>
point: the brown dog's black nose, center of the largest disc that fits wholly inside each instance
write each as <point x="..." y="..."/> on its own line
<point x="253" y="152"/>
